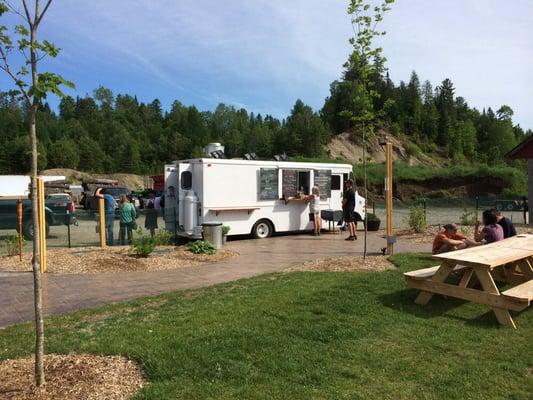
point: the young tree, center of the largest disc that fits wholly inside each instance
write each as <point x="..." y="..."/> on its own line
<point x="32" y="86"/>
<point x="365" y="63"/>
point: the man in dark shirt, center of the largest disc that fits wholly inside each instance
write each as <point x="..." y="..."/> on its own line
<point x="348" y="206"/>
<point x="109" y="206"/>
<point x="506" y="224"/>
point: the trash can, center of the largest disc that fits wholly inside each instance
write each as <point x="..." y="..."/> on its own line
<point x="212" y="232"/>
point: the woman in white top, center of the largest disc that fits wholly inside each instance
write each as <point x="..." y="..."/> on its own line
<point x="314" y="208"/>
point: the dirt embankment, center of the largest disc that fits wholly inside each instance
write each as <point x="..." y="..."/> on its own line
<point x="434" y="188"/>
<point x="131" y="181"/>
<point x="349" y="146"/>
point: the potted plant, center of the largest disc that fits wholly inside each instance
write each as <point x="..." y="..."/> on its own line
<point x="372" y="222"/>
<point x="225" y="231"/>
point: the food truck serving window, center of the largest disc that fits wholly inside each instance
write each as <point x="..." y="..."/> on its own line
<point x="186" y="180"/>
<point x="335" y="182"/>
<point x="268" y="184"/>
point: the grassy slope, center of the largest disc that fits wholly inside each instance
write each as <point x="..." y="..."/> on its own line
<point x="301" y="336"/>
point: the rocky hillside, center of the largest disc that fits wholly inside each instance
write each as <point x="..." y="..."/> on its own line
<point x="348" y="146"/>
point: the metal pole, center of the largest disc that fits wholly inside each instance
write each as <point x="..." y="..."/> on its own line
<point x="68" y="227"/>
<point x="425" y="211"/>
<point x="101" y="212"/>
<point x="388" y="188"/>
<point x="19" y="217"/>
<point x="374" y="207"/>
<point x="477" y="207"/>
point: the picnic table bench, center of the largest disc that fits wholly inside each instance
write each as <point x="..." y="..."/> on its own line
<point x="509" y="260"/>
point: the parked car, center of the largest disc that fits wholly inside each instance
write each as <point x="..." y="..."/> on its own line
<point x="59" y="210"/>
<point x="90" y="202"/>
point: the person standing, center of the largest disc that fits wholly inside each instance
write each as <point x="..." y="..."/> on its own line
<point x="109" y="207"/>
<point x="150" y="222"/>
<point x="127" y="218"/>
<point x="348" y="207"/>
<point x="508" y="228"/>
<point x="314" y="209"/>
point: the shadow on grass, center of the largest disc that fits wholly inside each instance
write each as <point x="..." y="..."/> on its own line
<point x="438" y="307"/>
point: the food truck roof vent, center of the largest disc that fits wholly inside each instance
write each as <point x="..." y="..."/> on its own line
<point x="250" y="156"/>
<point x="214" y="150"/>
<point x="281" y="157"/>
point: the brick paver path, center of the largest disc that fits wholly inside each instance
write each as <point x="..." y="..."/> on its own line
<point x="69" y="292"/>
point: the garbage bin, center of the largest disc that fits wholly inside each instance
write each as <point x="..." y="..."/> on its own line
<point x="212" y="232"/>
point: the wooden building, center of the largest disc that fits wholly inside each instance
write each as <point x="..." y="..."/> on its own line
<point x="524" y="151"/>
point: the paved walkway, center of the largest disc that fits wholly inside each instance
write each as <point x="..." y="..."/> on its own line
<point x="68" y="292"/>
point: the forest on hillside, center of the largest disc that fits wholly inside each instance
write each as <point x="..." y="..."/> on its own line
<point x="105" y="133"/>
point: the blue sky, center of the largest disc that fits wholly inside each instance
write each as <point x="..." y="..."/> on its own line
<point x="264" y="54"/>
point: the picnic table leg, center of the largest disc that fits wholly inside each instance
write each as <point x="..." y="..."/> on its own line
<point x="466" y="277"/>
<point x="488" y="285"/>
<point x="527" y="268"/>
<point x="440" y="276"/>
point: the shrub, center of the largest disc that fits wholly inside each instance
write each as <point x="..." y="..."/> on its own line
<point x="163" y="237"/>
<point x="201" y="247"/>
<point x="12" y="245"/>
<point x="225" y="229"/>
<point x="143" y="244"/>
<point x="417" y="219"/>
<point x="372" y="217"/>
<point x="468" y="217"/>
<point x="412" y="150"/>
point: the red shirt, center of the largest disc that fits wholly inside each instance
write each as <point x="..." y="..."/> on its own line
<point x="442" y="238"/>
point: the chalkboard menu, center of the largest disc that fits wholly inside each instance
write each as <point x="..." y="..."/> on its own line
<point x="289" y="183"/>
<point x="323" y="181"/>
<point x="268" y="184"/>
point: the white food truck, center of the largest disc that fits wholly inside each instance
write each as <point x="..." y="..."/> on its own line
<point x="250" y="196"/>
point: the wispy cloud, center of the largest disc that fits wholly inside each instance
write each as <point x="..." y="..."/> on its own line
<point x="264" y="54"/>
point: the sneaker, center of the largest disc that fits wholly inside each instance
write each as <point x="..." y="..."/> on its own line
<point x="349" y="238"/>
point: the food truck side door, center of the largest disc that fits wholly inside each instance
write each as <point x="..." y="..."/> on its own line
<point x="185" y="181"/>
<point x="171" y="201"/>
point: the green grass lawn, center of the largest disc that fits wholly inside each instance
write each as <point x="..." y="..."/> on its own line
<point x="303" y="336"/>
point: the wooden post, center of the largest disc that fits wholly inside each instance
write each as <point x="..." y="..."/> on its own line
<point x="19" y="218"/>
<point x="530" y="189"/>
<point x="388" y="196"/>
<point x="101" y="213"/>
<point x="42" y="224"/>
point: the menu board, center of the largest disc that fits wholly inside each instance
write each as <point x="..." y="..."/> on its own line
<point x="268" y="184"/>
<point x="289" y="183"/>
<point x="323" y="181"/>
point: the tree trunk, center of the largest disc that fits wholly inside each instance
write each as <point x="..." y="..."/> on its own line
<point x="38" y="302"/>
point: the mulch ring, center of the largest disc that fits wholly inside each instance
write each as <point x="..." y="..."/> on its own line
<point x="345" y="264"/>
<point x="87" y="260"/>
<point x="71" y="377"/>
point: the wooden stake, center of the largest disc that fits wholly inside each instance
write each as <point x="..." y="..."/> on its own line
<point x="19" y="217"/>
<point x="388" y="196"/>
<point x="101" y="212"/>
<point x="42" y="224"/>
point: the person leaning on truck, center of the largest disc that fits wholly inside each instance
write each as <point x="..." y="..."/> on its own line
<point x="109" y="207"/>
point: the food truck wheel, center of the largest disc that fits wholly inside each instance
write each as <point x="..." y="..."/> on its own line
<point x="262" y="229"/>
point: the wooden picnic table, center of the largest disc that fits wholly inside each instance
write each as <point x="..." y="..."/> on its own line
<point x="509" y="261"/>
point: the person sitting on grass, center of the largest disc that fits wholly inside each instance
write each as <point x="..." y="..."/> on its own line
<point x="449" y="239"/>
<point x="491" y="232"/>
